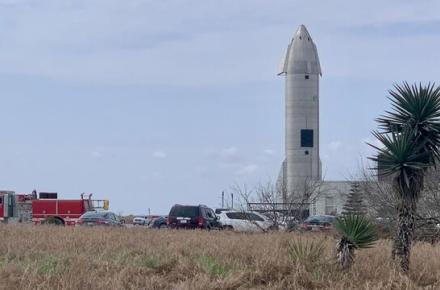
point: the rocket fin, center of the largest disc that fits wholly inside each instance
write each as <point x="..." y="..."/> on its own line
<point x="317" y="58"/>
<point x="282" y="68"/>
<point x="281" y="184"/>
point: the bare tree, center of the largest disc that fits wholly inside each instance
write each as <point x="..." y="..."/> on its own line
<point x="243" y="195"/>
<point x="378" y="195"/>
<point x="283" y="209"/>
<point x="305" y="195"/>
<point x="381" y="200"/>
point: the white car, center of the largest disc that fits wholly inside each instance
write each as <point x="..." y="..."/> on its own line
<point x="244" y="221"/>
<point x="139" y="220"/>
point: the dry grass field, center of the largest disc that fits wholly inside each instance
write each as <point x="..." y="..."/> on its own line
<point x="44" y="257"/>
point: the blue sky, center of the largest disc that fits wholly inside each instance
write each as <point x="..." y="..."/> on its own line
<point x="151" y="103"/>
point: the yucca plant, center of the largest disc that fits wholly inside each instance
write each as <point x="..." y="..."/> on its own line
<point x="356" y="232"/>
<point x="410" y="135"/>
<point x="307" y="253"/>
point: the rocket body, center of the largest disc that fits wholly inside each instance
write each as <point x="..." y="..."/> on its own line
<point x="302" y="70"/>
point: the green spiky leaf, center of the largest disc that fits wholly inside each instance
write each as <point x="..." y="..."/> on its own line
<point x="400" y="155"/>
<point x="416" y="109"/>
<point x="357" y="229"/>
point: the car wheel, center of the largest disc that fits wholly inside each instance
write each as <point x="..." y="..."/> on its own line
<point x="53" y="221"/>
<point x="163" y="226"/>
<point x="228" y="228"/>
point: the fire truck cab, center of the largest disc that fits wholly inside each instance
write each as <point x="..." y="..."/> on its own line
<point x="27" y="208"/>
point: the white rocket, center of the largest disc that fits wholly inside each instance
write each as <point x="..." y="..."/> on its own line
<point x="302" y="69"/>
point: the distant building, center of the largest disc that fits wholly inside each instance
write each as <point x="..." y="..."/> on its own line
<point x="330" y="198"/>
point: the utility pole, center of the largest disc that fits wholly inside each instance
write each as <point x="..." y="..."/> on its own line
<point x="232" y="197"/>
<point x="223" y="199"/>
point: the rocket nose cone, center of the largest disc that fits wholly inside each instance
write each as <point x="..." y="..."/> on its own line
<point x="302" y="33"/>
<point x="302" y="55"/>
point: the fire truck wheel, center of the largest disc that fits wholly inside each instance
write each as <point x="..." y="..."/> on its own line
<point x="53" y="221"/>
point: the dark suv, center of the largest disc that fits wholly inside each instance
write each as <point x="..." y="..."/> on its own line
<point x="192" y="217"/>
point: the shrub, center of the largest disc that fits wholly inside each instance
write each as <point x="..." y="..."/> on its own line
<point x="357" y="232"/>
<point x="307" y="253"/>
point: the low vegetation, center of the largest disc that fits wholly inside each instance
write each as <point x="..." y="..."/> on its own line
<point x="356" y="232"/>
<point x="50" y="257"/>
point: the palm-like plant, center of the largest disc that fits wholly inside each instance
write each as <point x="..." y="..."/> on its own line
<point x="410" y="134"/>
<point x="307" y="253"/>
<point x="357" y="232"/>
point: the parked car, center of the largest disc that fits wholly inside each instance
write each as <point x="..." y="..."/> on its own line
<point x="99" y="218"/>
<point x="281" y="222"/>
<point x="219" y="210"/>
<point x="192" y="217"/>
<point x="288" y="223"/>
<point x="244" y="221"/>
<point x="140" y="220"/>
<point x="159" y="223"/>
<point x="150" y="218"/>
<point x="291" y="224"/>
<point x="318" y="223"/>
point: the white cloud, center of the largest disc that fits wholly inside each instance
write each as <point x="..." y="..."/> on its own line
<point x="160" y="154"/>
<point x="230" y="151"/>
<point x="131" y="42"/>
<point x="96" y="154"/>
<point x="269" y="152"/>
<point x="247" y="169"/>
<point x="325" y="157"/>
<point x="157" y="174"/>
<point x="230" y="156"/>
<point x="372" y="141"/>
<point x="334" y="145"/>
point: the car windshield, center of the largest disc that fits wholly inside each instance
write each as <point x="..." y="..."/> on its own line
<point x="244" y="216"/>
<point x="185" y="211"/>
<point x="328" y="219"/>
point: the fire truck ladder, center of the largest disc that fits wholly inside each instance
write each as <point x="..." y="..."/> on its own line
<point x="95" y="204"/>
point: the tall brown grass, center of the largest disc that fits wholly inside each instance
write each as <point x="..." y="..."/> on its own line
<point x="45" y="257"/>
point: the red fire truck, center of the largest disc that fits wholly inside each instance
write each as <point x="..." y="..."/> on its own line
<point x="46" y="208"/>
